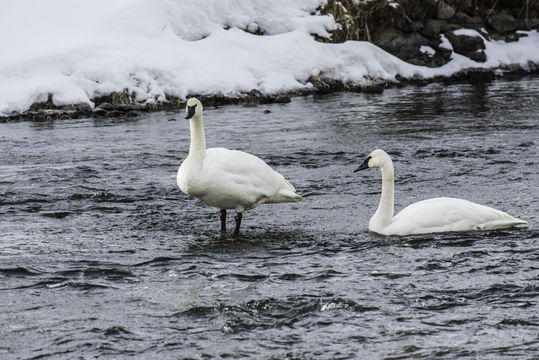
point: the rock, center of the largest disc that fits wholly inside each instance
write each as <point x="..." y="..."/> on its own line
<point x="254" y="97"/>
<point x="373" y="87"/>
<point x="128" y="107"/>
<point x="502" y="22"/>
<point x="282" y="99"/>
<point x="83" y="108"/>
<point x="445" y="11"/>
<point x="469" y="7"/>
<point x="480" y="75"/>
<point x="354" y="87"/>
<point x="107" y="106"/>
<point x="433" y="28"/>
<point x="99" y="112"/>
<point x="465" y="20"/>
<point x="406" y="25"/>
<point x="466" y="45"/>
<point x="319" y="85"/>
<point x="407" y="47"/>
<point x="478" y="55"/>
<point x="511" y="37"/>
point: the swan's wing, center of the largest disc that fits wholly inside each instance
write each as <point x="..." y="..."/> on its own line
<point x="231" y="177"/>
<point x="449" y="214"/>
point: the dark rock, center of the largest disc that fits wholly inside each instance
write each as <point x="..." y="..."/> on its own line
<point x="502" y="22"/>
<point x="107" y="106"/>
<point x="335" y="85"/>
<point x="254" y="95"/>
<point x="129" y="107"/>
<point x="480" y="75"/>
<point x="445" y="11"/>
<point x="319" y="85"/>
<point x="468" y="6"/>
<point x="407" y="47"/>
<point x="433" y="28"/>
<point x="83" y="108"/>
<point x="353" y="87"/>
<point x="478" y="55"/>
<point x="407" y="25"/>
<point x="267" y="99"/>
<point x="267" y="111"/>
<point x="373" y="88"/>
<point x="442" y="57"/>
<point x="257" y="97"/>
<point x="466" y="45"/>
<point x="511" y="37"/>
<point x="465" y="20"/>
<point x="282" y="99"/>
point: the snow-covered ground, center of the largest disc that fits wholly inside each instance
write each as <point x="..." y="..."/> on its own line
<point x="79" y="49"/>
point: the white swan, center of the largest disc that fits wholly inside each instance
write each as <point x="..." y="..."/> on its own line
<point x="228" y="179"/>
<point x="428" y="216"/>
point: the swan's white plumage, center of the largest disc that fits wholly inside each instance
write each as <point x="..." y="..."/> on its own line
<point x="228" y="179"/>
<point x="436" y="215"/>
<point x="232" y="179"/>
<point x="448" y="214"/>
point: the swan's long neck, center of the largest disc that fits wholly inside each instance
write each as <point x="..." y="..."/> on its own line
<point x="198" y="138"/>
<point x="384" y="214"/>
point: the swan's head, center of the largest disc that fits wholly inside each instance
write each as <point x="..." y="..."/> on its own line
<point x="194" y="107"/>
<point x="375" y="159"/>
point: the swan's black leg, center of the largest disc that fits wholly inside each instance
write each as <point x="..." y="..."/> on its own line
<point x="238" y="223"/>
<point x="223" y="222"/>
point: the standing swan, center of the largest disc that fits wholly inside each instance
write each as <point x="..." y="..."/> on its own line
<point x="228" y="179"/>
<point x="428" y="216"/>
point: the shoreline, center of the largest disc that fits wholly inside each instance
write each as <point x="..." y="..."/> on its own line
<point x="120" y="105"/>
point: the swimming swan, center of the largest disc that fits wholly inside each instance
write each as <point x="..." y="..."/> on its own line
<point x="428" y="216"/>
<point x="228" y="179"/>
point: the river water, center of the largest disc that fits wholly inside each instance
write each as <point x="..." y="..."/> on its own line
<point x="102" y="256"/>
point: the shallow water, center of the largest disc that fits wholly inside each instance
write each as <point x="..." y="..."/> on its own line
<point x="101" y="255"/>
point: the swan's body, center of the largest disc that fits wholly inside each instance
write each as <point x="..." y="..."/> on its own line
<point x="429" y="216"/>
<point x="228" y="179"/>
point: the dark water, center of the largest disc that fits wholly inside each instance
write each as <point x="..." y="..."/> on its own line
<point x="102" y="256"/>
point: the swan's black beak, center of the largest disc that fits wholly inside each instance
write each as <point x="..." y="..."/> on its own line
<point x="190" y="111"/>
<point x="364" y="165"/>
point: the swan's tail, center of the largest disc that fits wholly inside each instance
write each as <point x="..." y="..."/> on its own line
<point x="518" y="221"/>
<point x="501" y="223"/>
<point x="289" y="195"/>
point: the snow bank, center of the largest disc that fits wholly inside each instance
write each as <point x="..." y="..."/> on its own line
<point x="76" y="50"/>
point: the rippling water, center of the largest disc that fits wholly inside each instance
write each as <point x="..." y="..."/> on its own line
<point x="101" y="255"/>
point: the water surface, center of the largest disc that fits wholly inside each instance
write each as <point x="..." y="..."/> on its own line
<point x="101" y="255"/>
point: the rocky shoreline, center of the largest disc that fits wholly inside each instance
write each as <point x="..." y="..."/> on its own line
<point x="118" y="104"/>
<point x="426" y="32"/>
<point x="417" y="32"/>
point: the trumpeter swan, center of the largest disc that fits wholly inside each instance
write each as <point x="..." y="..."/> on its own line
<point x="228" y="179"/>
<point x="428" y="216"/>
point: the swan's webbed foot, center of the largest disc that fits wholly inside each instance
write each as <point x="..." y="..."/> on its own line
<point x="238" y="223"/>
